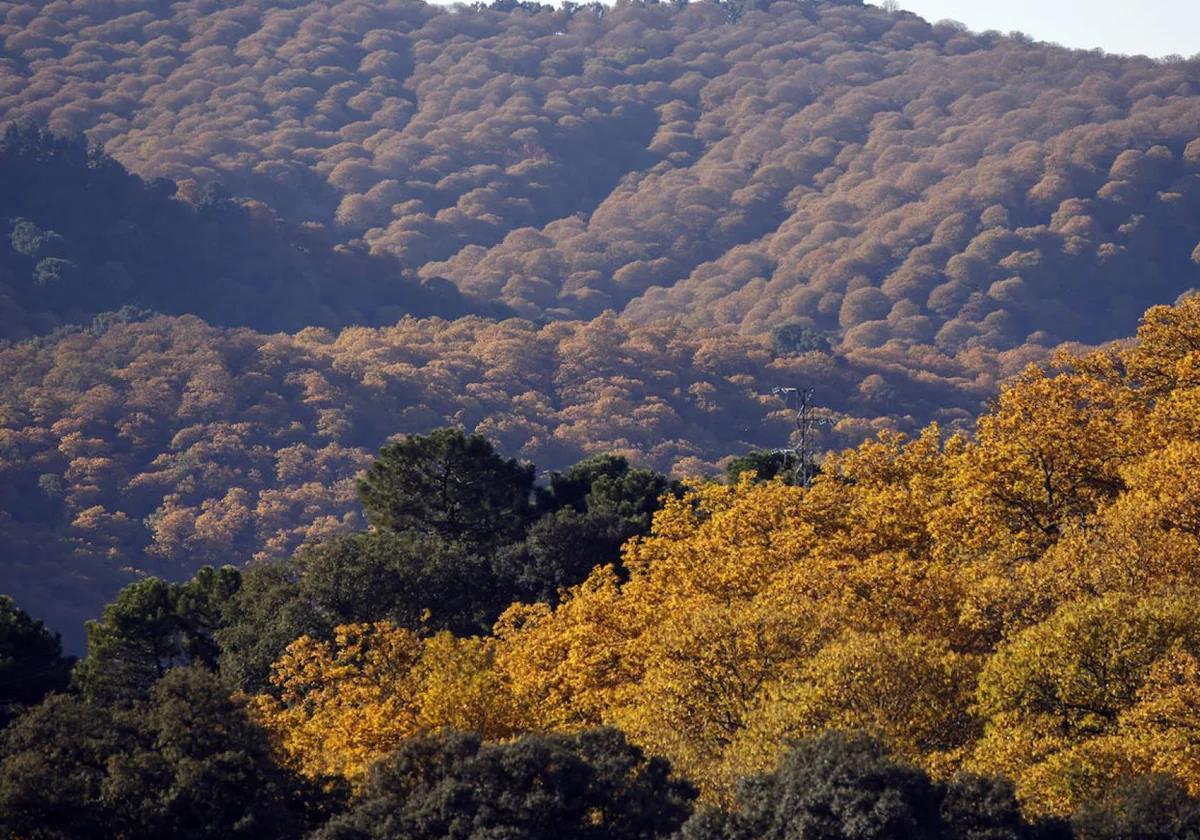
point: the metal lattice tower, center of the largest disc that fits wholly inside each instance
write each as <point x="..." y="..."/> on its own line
<point x="806" y="425"/>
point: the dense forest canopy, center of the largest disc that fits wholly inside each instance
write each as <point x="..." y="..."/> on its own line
<point x="906" y="188"/>
<point x="153" y="444"/>
<point x="940" y="638"/>
<point x="1022" y="604"/>
<point x="683" y="205"/>
<point x="392" y="387"/>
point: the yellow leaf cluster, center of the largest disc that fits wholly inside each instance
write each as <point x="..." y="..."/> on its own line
<point x="1079" y="699"/>
<point x="342" y="704"/>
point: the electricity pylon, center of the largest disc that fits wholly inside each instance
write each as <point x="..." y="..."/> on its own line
<point x="806" y="425"/>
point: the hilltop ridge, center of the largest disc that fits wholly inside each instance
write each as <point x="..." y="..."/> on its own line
<point x="886" y="181"/>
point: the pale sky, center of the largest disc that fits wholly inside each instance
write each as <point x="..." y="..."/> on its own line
<point x="1147" y="27"/>
<point x="1151" y="27"/>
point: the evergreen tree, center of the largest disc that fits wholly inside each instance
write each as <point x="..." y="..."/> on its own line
<point x="452" y="485"/>
<point x="185" y="762"/>
<point x="843" y="786"/>
<point x="31" y="661"/>
<point x="591" y="786"/>
<point x="152" y="627"/>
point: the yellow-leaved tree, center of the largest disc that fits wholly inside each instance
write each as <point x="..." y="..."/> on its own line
<point x="344" y="703"/>
<point x="1056" y="697"/>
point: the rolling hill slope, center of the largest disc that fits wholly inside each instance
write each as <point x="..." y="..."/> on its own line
<point x="864" y="172"/>
<point x="683" y="204"/>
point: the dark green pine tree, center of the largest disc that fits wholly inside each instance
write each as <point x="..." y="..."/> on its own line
<point x="153" y="626"/>
<point x="592" y="509"/>
<point x="186" y="762"/>
<point x="844" y="786"/>
<point x="31" y="661"/>
<point x="452" y="485"/>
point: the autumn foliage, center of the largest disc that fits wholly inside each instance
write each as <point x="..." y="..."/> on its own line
<point x="685" y="204"/>
<point x="912" y="189"/>
<point x="156" y="445"/>
<point x="915" y="196"/>
<point x="1020" y="603"/>
<point x="401" y="377"/>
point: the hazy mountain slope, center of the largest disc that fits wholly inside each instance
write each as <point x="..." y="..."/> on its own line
<point x="156" y="446"/>
<point x="865" y="172"/>
<point x="79" y="235"/>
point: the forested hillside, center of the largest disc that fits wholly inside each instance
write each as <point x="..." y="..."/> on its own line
<point x="889" y="182"/>
<point x="405" y="380"/>
<point x="156" y="445"/>
<point x="687" y="204"/>
<point x="79" y="235"/>
<point x="940" y="638"/>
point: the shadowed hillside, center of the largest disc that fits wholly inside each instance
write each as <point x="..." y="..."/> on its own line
<point x="79" y="235"/>
<point x="159" y="445"/>
<point x="863" y="172"/>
